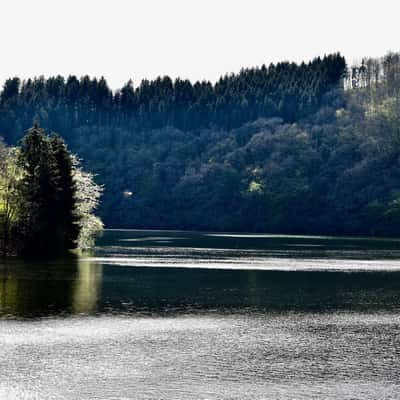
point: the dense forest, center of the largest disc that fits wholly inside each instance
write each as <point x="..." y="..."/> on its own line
<point x="290" y="148"/>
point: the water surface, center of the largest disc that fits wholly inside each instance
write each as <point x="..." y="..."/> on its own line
<point x="172" y="315"/>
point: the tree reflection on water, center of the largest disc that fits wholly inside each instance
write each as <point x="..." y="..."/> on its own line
<point x="49" y="288"/>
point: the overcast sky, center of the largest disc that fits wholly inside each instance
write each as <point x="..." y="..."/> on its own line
<point x="195" y="39"/>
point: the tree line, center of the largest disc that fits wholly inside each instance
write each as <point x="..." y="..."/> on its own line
<point x="285" y="90"/>
<point x="288" y="148"/>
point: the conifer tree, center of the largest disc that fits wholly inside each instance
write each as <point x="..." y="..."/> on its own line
<point x="40" y="222"/>
<point x="46" y="199"/>
<point x="65" y="206"/>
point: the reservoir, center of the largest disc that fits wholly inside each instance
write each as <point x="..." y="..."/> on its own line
<point x="187" y="315"/>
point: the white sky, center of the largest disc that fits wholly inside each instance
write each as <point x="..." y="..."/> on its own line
<point x="195" y="39"/>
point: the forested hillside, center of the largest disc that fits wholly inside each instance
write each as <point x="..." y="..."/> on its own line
<point x="283" y="148"/>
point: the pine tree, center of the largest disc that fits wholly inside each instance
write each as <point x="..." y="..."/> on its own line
<point x="65" y="207"/>
<point x="41" y="226"/>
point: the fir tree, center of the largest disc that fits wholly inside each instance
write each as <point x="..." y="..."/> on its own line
<point x="65" y="206"/>
<point x="48" y="225"/>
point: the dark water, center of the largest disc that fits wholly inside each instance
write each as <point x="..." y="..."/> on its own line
<point x="172" y="315"/>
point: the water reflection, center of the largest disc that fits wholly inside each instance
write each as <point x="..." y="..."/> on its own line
<point x="84" y="287"/>
<point x="97" y="285"/>
<point x="48" y="288"/>
<point x="87" y="287"/>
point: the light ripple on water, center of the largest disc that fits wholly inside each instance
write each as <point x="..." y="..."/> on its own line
<point x="248" y="263"/>
<point x="299" y="251"/>
<point x="254" y="356"/>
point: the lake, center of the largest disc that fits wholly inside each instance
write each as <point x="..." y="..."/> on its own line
<point x="175" y="315"/>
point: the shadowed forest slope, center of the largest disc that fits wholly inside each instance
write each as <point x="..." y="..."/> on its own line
<point x="309" y="148"/>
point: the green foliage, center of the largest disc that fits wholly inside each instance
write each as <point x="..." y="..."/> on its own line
<point x="40" y="226"/>
<point x="10" y="203"/>
<point x="65" y="205"/>
<point x="88" y="194"/>
<point x="42" y="191"/>
<point x="281" y="148"/>
<point x="287" y="90"/>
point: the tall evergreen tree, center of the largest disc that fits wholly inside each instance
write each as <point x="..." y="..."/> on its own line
<point x="49" y="227"/>
<point x="65" y="207"/>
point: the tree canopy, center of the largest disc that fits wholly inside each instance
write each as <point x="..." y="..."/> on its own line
<point x="40" y="191"/>
<point x="293" y="148"/>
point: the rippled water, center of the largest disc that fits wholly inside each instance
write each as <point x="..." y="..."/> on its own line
<point x="171" y="315"/>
